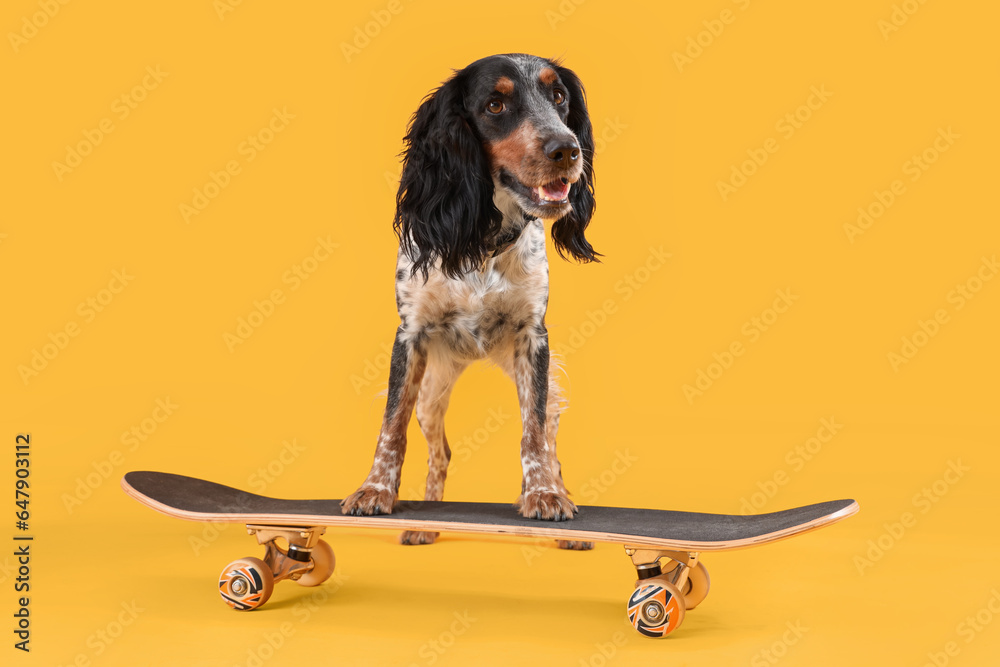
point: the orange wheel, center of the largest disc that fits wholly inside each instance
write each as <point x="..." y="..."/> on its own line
<point x="696" y="588"/>
<point x="246" y="584"/>
<point x="656" y="607"/>
<point x="323" y="564"/>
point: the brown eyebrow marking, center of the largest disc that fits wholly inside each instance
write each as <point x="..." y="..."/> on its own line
<point x="505" y="86"/>
<point x="547" y="75"/>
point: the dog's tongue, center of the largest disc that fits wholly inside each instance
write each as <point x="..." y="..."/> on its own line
<point x="557" y="190"/>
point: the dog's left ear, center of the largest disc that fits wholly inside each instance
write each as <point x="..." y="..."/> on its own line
<point x="568" y="231"/>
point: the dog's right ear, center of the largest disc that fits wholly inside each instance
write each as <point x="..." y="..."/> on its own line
<point x="444" y="206"/>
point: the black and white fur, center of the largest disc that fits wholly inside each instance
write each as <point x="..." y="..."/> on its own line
<point x="489" y="156"/>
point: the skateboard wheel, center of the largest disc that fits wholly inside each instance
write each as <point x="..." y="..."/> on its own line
<point x="656" y="607"/>
<point x="696" y="589"/>
<point x="246" y="583"/>
<point x="323" y="564"/>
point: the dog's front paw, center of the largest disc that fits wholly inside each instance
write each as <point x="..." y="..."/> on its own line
<point x="417" y="537"/>
<point x="369" y="500"/>
<point x="545" y="505"/>
<point x="575" y="545"/>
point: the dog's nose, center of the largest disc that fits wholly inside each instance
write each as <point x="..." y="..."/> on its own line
<point x="563" y="152"/>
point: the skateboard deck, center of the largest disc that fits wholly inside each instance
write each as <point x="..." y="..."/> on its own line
<point x="656" y="607"/>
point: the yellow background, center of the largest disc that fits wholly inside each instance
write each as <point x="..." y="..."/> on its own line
<point x="311" y="374"/>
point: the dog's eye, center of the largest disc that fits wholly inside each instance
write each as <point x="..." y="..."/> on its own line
<point x="559" y="96"/>
<point x="494" y="106"/>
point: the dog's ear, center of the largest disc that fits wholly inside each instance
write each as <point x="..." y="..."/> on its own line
<point x="444" y="206"/>
<point x="568" y="231"/>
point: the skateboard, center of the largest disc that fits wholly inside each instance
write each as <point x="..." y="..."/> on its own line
<point x="665" y="546"/>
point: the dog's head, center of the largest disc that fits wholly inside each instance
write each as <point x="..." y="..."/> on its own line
<point x="515" y="122"/>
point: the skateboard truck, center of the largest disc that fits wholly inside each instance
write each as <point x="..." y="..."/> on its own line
<point x="247" y="583"/>
<point x="663" y="593"/>
<point x="660" y="599"/>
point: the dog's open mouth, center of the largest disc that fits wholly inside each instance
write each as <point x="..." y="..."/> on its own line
<point x="552" y="194"/>
<point x="556" y="192"/>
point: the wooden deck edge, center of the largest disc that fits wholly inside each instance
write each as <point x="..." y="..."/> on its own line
<point x="541" y="530"/>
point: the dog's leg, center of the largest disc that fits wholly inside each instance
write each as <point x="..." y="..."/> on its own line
<point x="432" y="403"/>
<point x="543" y="495"/>
<point x="379" y="492"/>
<point x="553" y="409"/>
<point x="554" y="406"/>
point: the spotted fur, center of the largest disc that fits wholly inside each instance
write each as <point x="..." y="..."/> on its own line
<point x="472" y="276"/>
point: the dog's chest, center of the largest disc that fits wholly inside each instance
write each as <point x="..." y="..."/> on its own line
<point x="479" y="312"/>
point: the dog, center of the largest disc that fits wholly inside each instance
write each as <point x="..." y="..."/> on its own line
<point x="498" y="150"/>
